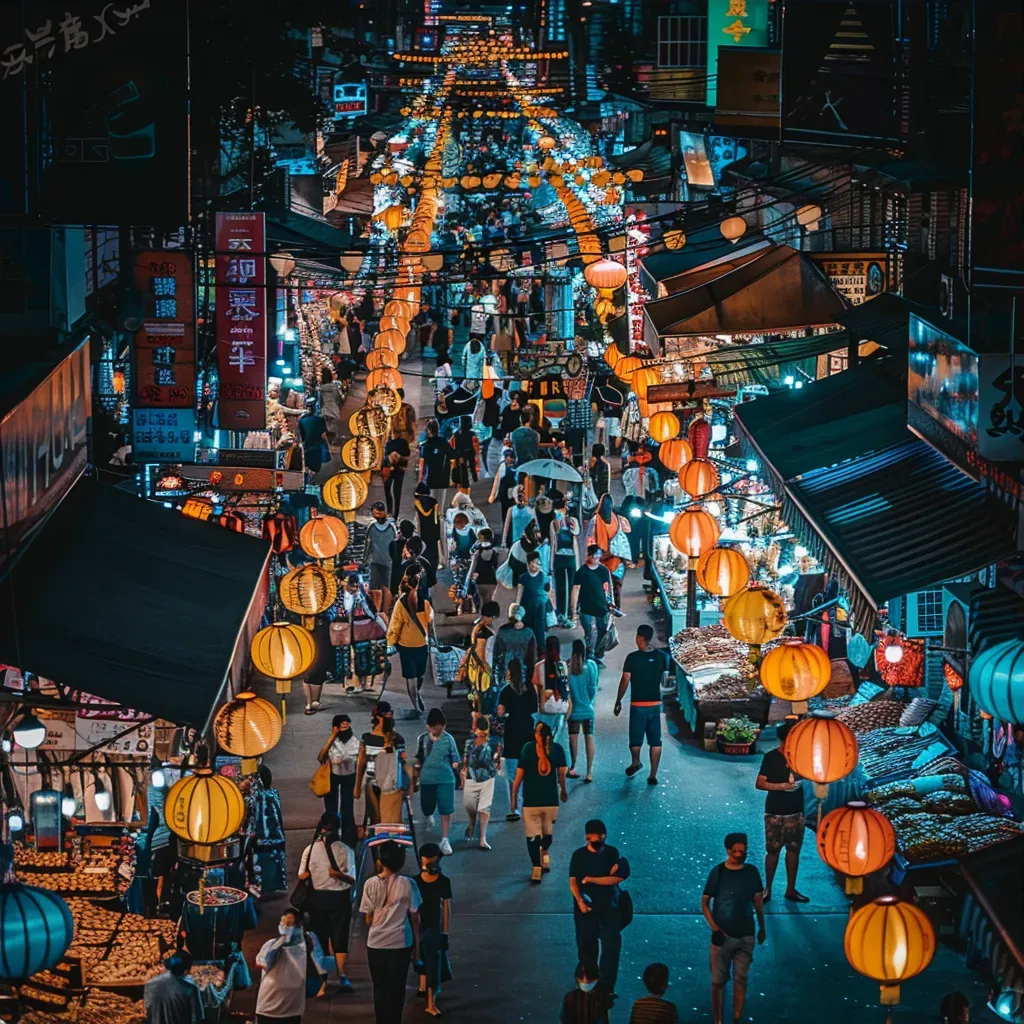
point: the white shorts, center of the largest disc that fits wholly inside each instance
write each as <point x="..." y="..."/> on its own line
<point x="477" y="796"/>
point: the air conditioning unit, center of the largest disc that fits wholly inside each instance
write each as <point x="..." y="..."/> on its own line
<point x="946" y="296"/>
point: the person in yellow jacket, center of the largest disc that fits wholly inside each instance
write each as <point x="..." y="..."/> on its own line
<point x="407" y="630"/>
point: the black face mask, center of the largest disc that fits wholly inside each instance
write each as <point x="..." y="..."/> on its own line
<point x="432" y="867"/>
<point x="344" y="735"/>
<point x="597" y="845"/>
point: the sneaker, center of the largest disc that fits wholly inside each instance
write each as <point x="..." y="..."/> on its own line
<point x="511" y="816"/>
<point x="446" y="847"/>
<point x="430" y="821"/>
<point x="317" y="706"/>
<point x="345" y="987"/>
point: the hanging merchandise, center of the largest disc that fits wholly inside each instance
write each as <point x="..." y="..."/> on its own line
<point x="899" y="659"/>
<point x="700" y="437"/>
<point x="281" y="530"/>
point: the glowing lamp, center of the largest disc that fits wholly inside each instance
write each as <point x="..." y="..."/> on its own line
<point x="856" y="840"/>
<point x="733" y="229"/>
<point x="889" y="941"/>
<point x="796" y="671"/>
<point x="384" y="376"/>
<point x="344" y="492"/>
<point x="308" y="591"/>
<point x="361" y="452"/>
<point x="822" y="749"/>
<point x="693" y="531"/>
<point x="606" y="274"/>
<point x="247" y="727"/>
<point x="29" y="733"/>
<point x="35" y="929"/>
<point x="997" y="681"/>
<point x="675" y="454"/>
<point x="723" y="571"/>
<point x="204" y="807"/>
<point x="282" y="263"/>
<point x="324" y="537"/>
<point x="754" y="616"/>
<point x="282" y="651"/>
<point x="663" y="426"/>
<point x="699" y="478"/>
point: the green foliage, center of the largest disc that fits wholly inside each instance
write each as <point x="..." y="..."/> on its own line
<point x="737" y="730"/>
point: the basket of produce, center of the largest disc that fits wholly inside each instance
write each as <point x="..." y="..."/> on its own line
<point x="737" y="735"/>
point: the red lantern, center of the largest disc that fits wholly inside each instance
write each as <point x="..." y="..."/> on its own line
<point x="954" y="680"/>
<point x="281" y="530"/>
<point x="899" y="659"/>
<point x="700" y="437"/>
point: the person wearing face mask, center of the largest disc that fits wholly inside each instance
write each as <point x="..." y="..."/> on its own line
<point x="435" y="890"/>
<point x="342" y="748"/>
<point x="518" y="518"/>
<point x="588" y="1002"/>
<point x="356" y="632"/>
<point x="384" y="748"/>
<point x="428" y="521"/>
<point x="733" y="893"/>
<point x="376" y="554"/>
<point x="484" y="565"/>
<point x="534" y="597"/>
<point x="595" y="872"/>
<point x="610" y="532"/>
<point x="564" y="531"/>
<point x="283" y="986"/>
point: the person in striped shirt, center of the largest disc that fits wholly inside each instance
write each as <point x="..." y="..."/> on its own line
<point x="652" y="1008"/>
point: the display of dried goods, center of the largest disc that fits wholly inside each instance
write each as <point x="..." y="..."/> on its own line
<point x="50" y="979"/>
<point x="875" y="714"/>
<point x="26" y="857"/>
<point x="892" y="752"/>
<point x="727" y="686"/>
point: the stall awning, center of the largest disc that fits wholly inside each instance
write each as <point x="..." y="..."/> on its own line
<point x="356" y="198"/>
<point x="830" y="420"/>
<point x="781" y="289"/>
<point x="129" y="601"/>
<point x="884" y="320"/>
<point x="703" y="248"/>
<point x="287" y="228"/>
<point x="904" y="518"/>
<point x="993" y="915"/>
<point x="740" y="364"/>
<point x="654" y="160"/>
<point x="996" y="615"/>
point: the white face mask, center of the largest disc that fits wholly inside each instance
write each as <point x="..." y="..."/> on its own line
<point x="285" y="930"/>
<point x="587" y="986"/>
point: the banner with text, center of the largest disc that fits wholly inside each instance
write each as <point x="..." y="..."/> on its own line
<point x="241" y="301"/>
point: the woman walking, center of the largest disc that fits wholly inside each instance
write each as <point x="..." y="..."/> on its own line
<point x="551" y="682"/>
<point x="564" y="531"/>
<point x="391" y="904"/>
<point x="609" y="531"/>
<point x="407" y="631"/>
<point x="428" y="521"/>
<point x="464" y="460"/>
<point x="582" y="693"/>
<point x="342" y="749"/>
<point x="479" y="767"/>
<point x="435" y="922"/>
<point x="357" y="632"/>
<point x="517" y="704"/>
<point x="534" y="597"/>
<point x="436" y="464"/>
<point x="540" y="774"/>
<point x="329" y="867"/>
<point x="518" y="518"/>
<point x="484" y="566"/>
<point x="396" y="461"/>
<point x="384" y="749"/>
<point x="504" y="488"/>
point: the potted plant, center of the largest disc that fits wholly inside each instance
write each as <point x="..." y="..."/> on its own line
<point x="737" y="735"/>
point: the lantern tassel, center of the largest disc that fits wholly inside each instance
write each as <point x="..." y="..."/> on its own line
<point x="854" y="886"/>
<point x="889" y="995"/>
<point x="249" y="765"/>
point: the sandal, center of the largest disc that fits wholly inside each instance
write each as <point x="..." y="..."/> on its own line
<point x="572" y="774"/>
<point x="588" y="778"/>
<point x="309" y="710"/>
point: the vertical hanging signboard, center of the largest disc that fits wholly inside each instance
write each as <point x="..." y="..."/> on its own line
<point x="241" y="301"/>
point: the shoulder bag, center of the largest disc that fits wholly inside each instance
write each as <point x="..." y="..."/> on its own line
<point x="320" y="783"/>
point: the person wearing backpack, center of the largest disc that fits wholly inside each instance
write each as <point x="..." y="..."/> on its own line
<point x="435" y="773"/>
<point x="733" y="893"/>
<point x="329" y="867"/>
<point x="601" y="909"/>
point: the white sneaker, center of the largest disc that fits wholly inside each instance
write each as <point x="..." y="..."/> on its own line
<point x="446" y="847"/>
<point x="430" y="821"/>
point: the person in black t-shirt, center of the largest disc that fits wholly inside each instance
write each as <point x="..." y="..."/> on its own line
<point x="435" y="919"/>
<point x="436" y="464"/>
<point x="732" y="895"/>
<point x="588" y="1002"/>
<point x="396" y="462"/>
<point x="595" y="872"/>
<point x="642" y="674"/>
<point x="783" y="817"/>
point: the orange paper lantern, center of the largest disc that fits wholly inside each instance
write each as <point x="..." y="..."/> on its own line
<point x="723" y="571"/>
<point x="385" y="377"/>
<point x="796" y="671"/>
<point x="856" y="840"/>
<point x="699" y="478"/>
<point x="754" y="615"/>
<point x="694" y="531"/>
<point x="608" y="274"/>
<point x="324" y="537"/>
<point x="625" y="367"/>
<point x="675" y="454"/>
<point x="663" y="426"/>
<point x="822" y="749"/>
<point x="380" y="357"/>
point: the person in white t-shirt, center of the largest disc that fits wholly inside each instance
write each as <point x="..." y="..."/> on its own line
<point x="391" y="903"/>
<point x="342" y="749"/>
<point x="329" y="865"/>
<point x="282" y="994"/>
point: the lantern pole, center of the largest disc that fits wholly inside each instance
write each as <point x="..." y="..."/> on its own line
<point x="691" y="592"/>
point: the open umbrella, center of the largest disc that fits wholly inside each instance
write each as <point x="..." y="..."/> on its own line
<point x="550" y="469"/>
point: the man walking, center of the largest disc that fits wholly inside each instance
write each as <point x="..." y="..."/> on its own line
<point x="591" y="598"/>
<point x="783" y="817"/>
<point x="643" y="672"/>
<point x="595" y="872"/>
<point x="732" y="895"/>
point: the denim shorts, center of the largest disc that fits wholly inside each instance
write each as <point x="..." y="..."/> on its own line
<point x="645" y="721"/>
<point x="435" y="797"/>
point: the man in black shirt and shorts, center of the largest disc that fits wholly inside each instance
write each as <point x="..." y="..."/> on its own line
<point x="643" y="672"/>
<point x="783" y="817"/>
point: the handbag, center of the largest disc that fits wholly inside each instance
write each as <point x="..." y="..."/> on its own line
<point x="313" y="977"/>
<point x="625" y="909"/>
<point x="551" y="618"/>
<point x="608" y="642"/>
<point x="320" y="783"/>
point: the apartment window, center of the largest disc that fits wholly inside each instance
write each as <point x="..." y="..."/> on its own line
<point x="554" y="14"/>
<point x="682" y="41"/>
<point x="929" y="611"/>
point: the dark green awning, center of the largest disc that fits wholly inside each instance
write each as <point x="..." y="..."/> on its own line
<point x="743" y="363"/>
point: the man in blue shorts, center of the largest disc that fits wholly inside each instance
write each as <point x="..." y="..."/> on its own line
<point x="642" y="674"/>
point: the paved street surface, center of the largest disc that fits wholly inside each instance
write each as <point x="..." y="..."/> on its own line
<point x="513" y="950"/>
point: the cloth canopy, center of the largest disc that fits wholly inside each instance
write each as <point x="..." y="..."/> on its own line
<point x="703" y="248"/>
<point x="781" y="289"/>
<point x="739" y="364"/>
<point x="123" y="599"/>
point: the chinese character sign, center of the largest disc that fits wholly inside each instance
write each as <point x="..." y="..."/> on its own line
<point x="241" y="301"/>
<point x="165" y="350"/>
<point x="733" y="23"/>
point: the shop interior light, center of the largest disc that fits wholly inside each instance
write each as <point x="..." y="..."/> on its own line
<point x="68" y="803"/>
<point x="799" y="384"/>
<point x="158" y="778"/>
<point x="894" y="653"/>
<point x="15" y="821"/>
<point x="5" y="746"/>
<point x="29" y="733"/>
<point x="751" y="465"/>
<point x="102" y="796"/>
<point x="799" y="551"/>
<point x="788" y="381"/>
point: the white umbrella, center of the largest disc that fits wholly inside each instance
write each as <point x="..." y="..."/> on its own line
<point x="550" y="469"/>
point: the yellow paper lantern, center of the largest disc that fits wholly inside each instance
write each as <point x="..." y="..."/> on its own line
<point x="379" y="357"/>
<point x="796" y="671"/>
<point x="282" y="651"/>
<point x="394" y="342"/>
<point x="663" y="426"/>
<point x="612" y="355"/>
<point x="889" y="941"/>
<point x="344" y="492"/>
<point x="247" y="727"/>
<point x="386" y="399"/>
<point x="625" y="367"/>
<point x="308" y="591"/>
<point x="754" y="616"/>
<point x="361" y="453"/>
<point x="204" y="807"/>
<point x="674" y="239"/>
<point x="384" y="376"/>
<point x="370" y="419"/>
<point x="393" y="217"/>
